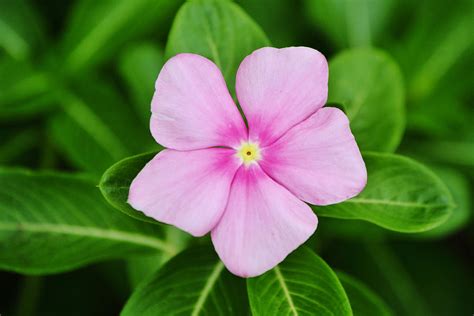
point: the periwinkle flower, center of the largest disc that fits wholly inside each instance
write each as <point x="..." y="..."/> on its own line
<point x="248" y="186"/>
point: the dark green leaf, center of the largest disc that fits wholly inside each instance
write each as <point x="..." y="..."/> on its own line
<point x="350" y="23"/>
<point x="20" y="28"/>
<point x="193" y="283"/>
<point x="401" y="195"/>
<point x="364" y="301"/>
<point x="141" y="267"/>
<point x="98" y="28"/>
<point x="217" y="29"/>
<point x="139" y="67"/>
<point x="116" y="181"/>
<point x="302" y="285"/>
<point x="51" y="222"/>
<point x="369" y="84"/>
<point x="97" y="128"/>
<point x="16" y="143"/>
<point x="24" y="91"/>
<point x="435" y="42"/>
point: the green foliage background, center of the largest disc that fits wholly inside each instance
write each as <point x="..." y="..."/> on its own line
<point x="76" y="80"/>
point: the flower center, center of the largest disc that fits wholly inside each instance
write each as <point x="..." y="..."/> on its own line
<point x="248" y="153"/>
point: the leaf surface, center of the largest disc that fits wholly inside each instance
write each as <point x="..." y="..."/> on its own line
<point x="52" y="222"/>
<point x="303" y="284"/>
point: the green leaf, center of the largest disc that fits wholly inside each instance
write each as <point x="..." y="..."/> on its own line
<point x="24" y="91"/>
<point x="116" y="181"/>
<point x="141" y="267"/>
<point x="20" y="28"/>
<point x="459" y="188"/>
<point x="217" y="29"/>
<point x="97" y="128"/>
<point x="52" y="222"/>
<point x="350" y="23"/>
<point x="269" y="14"/>
<point x="97" y="29"/>
<point x="401" y="195"/>
<point x="369" y="84"/>
<point x="17" y="142"/>
<point x="434" y="43"/>
<point x="364" y="301"/>
<point x="457" y="152"/>
<point x="193" y="283"/>
<point x="139" y="66"/>
<point x="302" y="285"/>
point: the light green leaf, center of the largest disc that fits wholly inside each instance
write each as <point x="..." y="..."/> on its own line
<point x="97" y="128"/>
<point x="193" y="283"/>
<point x="116" y="181"/>
<point x="20" y="28"/>
<point x="139" y="66"/>
<point x="369" y="84"/>
<point x="350" y="23"/>
<point x="401" y="195"/>
<point x="302" y="285"/>
<point x="364" y="301"/>
<point x="97" y="29"/>
<point x="51" y="222"/>
<point x="459" y="188"/>
<point x="217" y="29"/>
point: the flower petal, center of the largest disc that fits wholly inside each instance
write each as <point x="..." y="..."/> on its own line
<point x="318" y="160"/>
<point x="186" y="189"/>
<point x="279" y="88"/>
<point x="263" y="222"/>
<point x="192" y="108"/>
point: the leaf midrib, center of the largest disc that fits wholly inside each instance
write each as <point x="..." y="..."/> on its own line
<point x="395" y="203"/>
<point x="216" y="271"/>
<point x="91" y="232"/>
<point x="285" y="289"/>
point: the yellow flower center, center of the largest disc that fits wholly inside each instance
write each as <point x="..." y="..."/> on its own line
<point x="248" y="153"/>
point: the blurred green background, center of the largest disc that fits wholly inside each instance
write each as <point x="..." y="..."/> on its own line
<point x="76" y="80"/>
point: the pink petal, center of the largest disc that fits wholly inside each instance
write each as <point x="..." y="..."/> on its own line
<point x="263" y="222"/>
<point x="279" y="88"/>
<point x="186" y="189"/>
<point x="318" y="160"/>
<point x="192" y="108"/>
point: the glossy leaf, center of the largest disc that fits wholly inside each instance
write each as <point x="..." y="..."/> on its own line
<point x="217" y="29"/>
<point x="401" y="195"/>
<point x="116" y="181"/>
<point x="370" y="85"/>
<point x="193" y="283"/>
<point x="51" y="222"/>
<point x="459" y="187"/>
<point x="97" y="128"/>
<point x="98" y="28"/>
<point x="350" y="23"/>
<point x="364" y="301"/>
<point x="302" y="285"/>
<point x="140" y="66"/>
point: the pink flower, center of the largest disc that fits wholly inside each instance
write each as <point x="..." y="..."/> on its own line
<point x="247" y="186"/>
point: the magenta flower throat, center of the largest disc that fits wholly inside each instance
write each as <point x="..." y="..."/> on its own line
<point x="248" y="186"/>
